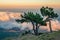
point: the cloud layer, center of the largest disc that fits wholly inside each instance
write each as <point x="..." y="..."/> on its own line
<point x="7" y="20"/>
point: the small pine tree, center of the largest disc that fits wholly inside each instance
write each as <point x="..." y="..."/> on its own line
<point x="35" y="19"/>
<point x="46" y="11"/>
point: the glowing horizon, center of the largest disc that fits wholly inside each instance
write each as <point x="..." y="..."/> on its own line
<point x="28" y="3"/>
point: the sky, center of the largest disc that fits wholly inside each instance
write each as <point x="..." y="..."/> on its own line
<point x="28" y="3"/>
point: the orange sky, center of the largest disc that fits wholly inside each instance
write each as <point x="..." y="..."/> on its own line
<point x="28" y="3"/>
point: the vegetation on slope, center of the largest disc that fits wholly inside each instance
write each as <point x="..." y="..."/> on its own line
<point x="45" y="36"/>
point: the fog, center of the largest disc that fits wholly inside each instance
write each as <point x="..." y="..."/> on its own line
<point x="7" y="19"/>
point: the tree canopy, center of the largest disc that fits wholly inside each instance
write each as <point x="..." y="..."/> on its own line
<point x="47" y="11"/>
<point x="35" y="19"/>
<point x="31" y="17"/>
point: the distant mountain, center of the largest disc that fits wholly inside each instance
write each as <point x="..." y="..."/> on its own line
<point x="8" y="34"/>
<point x="15" y="29"/>
<point x="2" y="29"/>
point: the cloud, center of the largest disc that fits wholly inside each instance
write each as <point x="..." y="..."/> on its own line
<point x="9" y="24"/>
<point x="54" y="24"/>
<point x="6" y="16"/>
<point x="7" y="20"/>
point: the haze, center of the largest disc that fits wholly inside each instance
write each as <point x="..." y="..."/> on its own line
<point x="28" y="3"/>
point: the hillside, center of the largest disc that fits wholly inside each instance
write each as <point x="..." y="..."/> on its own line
<point x="45" y="36"/>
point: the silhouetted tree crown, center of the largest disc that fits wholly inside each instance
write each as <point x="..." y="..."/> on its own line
<point x="35" y="19"/>
<point x="31" y="17"/>
<point x="46" y="11"/>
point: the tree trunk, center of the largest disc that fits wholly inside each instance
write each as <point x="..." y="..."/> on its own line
<point x="50" y="26"/>
<point x="37" y="27"/>
<point x="33" y="27"/>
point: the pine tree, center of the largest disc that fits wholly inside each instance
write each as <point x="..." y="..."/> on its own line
<point x="35" y="19"/>
<point x="46" y="11"/>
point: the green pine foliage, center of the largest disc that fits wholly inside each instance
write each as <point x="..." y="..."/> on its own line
<point x="49" y="12"/>
<point x="35" y="19"/>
